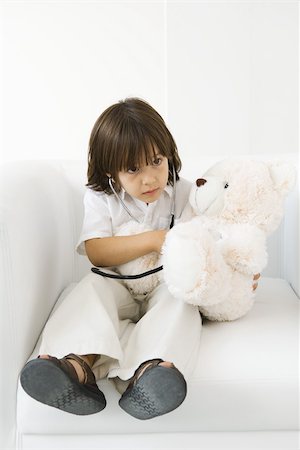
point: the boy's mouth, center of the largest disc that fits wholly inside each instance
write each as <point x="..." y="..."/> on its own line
<point x="151" y="192"/>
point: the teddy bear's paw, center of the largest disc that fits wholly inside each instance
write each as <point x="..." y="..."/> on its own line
<point x="244" y="248"/>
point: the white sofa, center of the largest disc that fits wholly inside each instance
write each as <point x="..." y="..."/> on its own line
<point x="244" y="391"/>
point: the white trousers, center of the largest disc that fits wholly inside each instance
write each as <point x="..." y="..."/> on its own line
<point x="99" y="316"/>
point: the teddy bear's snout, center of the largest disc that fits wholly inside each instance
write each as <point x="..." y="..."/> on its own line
<point x="200" y="182"/>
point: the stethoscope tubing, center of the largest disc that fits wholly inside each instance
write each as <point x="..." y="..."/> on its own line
<point x="126" y="277"/>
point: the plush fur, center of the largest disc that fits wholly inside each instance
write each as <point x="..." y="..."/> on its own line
<point x="209" y="259"/>
<point x="237" y="205"/>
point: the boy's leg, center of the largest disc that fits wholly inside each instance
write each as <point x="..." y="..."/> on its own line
<point x="90" y="322"/>
<point x="170" y="329"/>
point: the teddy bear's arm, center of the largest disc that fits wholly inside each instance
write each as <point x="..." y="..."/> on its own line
<point x="194" y="269"/>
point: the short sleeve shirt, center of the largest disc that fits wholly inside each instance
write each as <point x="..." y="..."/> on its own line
<point x="104" y="214"/>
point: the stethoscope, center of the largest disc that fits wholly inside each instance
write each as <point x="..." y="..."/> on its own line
<point x="172" y="218"/>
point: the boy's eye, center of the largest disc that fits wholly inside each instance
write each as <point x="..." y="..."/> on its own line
<point x="156" y="161"/>
<point x="133" y="170"/>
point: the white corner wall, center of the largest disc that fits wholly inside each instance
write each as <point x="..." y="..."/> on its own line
<point x="224" y="74"/>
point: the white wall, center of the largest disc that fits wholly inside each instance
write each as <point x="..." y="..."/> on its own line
<point x="223" y="74"/>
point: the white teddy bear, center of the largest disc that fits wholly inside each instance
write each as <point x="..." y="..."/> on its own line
<point x="210" y="260"/>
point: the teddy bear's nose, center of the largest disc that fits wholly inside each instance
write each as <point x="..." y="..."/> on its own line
<point x="200" y="182"/>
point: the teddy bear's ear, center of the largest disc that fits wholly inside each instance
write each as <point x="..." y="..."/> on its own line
<point x="283" y="175"/>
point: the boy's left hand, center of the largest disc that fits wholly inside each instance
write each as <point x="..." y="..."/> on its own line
<point x="255" y="277"/>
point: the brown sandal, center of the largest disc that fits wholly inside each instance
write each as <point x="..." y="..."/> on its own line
<point x="154" y="390"/>
<point x="55" y="382"/>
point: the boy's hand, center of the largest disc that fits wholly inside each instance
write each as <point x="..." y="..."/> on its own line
<point x="255" y="277"/>
<point x="158" y="239"/>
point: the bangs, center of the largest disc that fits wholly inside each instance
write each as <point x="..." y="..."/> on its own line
<point x="137" y="155"/>
<point x="136" y="147"/>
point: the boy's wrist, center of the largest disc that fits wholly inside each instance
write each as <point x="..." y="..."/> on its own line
<point x="157" y="238"/>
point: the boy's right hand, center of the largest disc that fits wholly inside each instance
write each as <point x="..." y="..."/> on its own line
<point x="158" y="239"/>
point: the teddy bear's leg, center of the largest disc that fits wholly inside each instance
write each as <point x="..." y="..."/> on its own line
<point x="238" y="303"/>
<point x="194" y="268"/>
<point x="144" y="285"/>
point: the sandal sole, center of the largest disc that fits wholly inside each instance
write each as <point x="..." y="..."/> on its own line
<point x="159" y="390"/>
<point x="49" y="384"/>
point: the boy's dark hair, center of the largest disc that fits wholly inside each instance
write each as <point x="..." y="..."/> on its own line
<point x="126" y="134"/>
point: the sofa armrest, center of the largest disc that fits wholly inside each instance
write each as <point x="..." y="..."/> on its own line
<point x="291" y="241"/>
<point x="37" y="241"/>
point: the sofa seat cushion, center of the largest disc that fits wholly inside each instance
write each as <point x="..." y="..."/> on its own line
<point x="246" y="379"/>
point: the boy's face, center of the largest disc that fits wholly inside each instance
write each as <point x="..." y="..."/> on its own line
<point x="146" y="182"/>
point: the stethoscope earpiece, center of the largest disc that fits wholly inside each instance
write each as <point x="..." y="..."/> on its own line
<point x="110" y="182"/>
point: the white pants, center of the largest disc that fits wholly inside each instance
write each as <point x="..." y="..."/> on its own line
<point x="99" y="316"/>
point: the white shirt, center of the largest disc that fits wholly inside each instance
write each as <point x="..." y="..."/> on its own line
<point x="104" y="213"/>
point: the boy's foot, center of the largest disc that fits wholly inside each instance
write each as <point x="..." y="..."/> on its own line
<point x="156" y="388"/>
<point x="77" y="366"/>
<point x="63" y="384"/>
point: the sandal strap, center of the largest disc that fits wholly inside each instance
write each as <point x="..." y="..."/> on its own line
<point x="150" y="363"/>
<point x="89" y="377"/>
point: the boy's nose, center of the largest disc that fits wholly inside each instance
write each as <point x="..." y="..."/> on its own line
<point x="148" y="176"/>
<point x="148" y="181"/>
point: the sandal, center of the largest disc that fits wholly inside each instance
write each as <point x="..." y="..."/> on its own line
<point x="153" y="391"/>
<point x="55" y="382"/>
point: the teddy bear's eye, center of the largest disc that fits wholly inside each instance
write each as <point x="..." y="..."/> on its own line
<point x="226" y="186"/>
